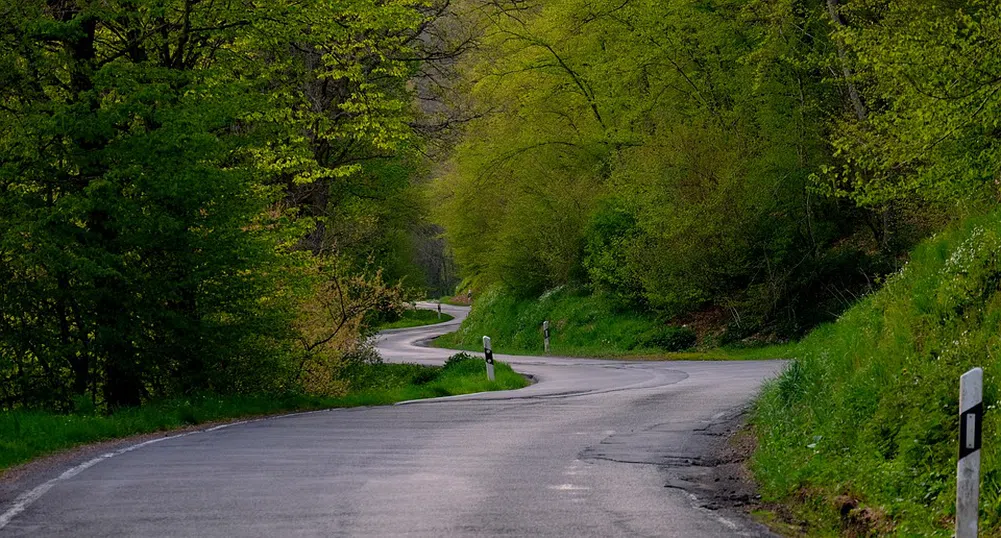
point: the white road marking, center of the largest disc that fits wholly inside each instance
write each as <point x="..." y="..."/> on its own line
<point x="569" y="487"/>
<point x="726" y="522"/>
<point x="25" y="499"/>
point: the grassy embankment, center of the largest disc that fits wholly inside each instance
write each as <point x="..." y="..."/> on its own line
<point x="414" y="318"/>
<point x="25" y="435"/>
<point x="581" y="326"/>
<point x="859" y="436"/>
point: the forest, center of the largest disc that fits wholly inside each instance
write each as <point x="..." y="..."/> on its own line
<point x="207" y="196"/>
<point x="222" y="196"/>
<point x="754" y="165"/>
<point x="227" y="197"/>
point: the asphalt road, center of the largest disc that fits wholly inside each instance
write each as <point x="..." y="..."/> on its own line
<point x="585" y="451"/>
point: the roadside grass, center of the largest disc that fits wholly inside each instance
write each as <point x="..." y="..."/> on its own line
<point x="25" y="435"/>
<point x="859" y="436"/>
<point x="414" y="318"/>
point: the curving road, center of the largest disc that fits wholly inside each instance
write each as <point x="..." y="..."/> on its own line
<point x="585" y="451"/>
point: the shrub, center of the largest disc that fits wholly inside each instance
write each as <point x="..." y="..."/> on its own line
<point x="462" y="362"/>
<point x="425" y="375"/>
<point x="669" y="338"/>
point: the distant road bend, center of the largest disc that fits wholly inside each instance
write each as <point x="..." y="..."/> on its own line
<point x="586" y="451"/>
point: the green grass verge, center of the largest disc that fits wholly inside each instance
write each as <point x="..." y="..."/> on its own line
<point x="580" y="326"/>
<point x="859" y="436"/>
<point x="415" y="318"/>
<point x="25" y="435"/>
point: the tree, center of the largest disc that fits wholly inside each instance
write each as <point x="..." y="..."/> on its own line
<point x="660" y="152"/>
<point x="930" y="75"/>
<point x="151" y="161"/>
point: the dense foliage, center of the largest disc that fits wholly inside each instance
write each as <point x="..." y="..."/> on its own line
<point x="180" y="186"/>
<point x="927" y="121"/>
<point x="764" y="160"/>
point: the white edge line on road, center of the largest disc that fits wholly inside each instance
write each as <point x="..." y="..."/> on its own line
<point x="24" y="500"/>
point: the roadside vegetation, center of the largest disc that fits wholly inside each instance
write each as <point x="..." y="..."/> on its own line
<point x="28" y="434"/>
<point x="859" y="435"/>
<point x="581" y="324"/>
<point x="668" y="158"/>
<point x="457" y="300"/>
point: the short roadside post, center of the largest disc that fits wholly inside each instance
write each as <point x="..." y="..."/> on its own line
<point x="545" y="333"/>
<point x="971" y="419"/>
<point x="489" y="353"/>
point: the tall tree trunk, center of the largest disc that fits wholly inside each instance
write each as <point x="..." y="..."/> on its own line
<point x="882" y="223"/>
<point x="833" y="8"/>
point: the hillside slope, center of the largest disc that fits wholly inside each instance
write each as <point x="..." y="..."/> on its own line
<point x="859" y="435"/>
<point x="581" y="324"/>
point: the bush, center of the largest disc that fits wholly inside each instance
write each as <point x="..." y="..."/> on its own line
<point x="461" y="362"/>
<point x="425" y="375"/>
<point x="359" y="366"/>
<point x="669" y="338"/>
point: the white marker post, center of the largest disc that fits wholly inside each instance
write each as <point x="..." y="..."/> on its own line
<point x="489" y="353"/>
<point x="971" y="420"/>
<point x="545" y="332"/>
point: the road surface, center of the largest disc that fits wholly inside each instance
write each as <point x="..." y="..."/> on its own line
<point x="585" y="451"/>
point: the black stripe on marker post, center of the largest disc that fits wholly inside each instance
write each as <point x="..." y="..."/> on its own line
<point x="971" y="421"/>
